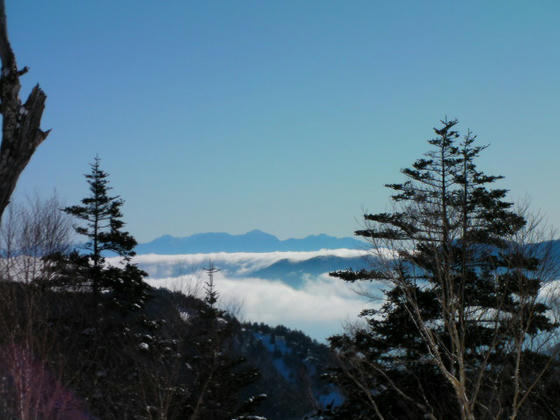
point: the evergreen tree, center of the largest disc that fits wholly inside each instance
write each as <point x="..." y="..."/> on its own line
<point x="461" y="306"/>
<point x="220" y="370"/>
<point x="211" y="296"/>
<point x="102" y="224"/>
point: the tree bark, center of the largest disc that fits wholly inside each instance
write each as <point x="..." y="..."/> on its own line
<point x="21" y="132"/>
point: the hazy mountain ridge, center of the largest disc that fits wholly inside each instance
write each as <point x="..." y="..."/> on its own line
<point x="253" y="241"/>
<point x="295" y="272"/>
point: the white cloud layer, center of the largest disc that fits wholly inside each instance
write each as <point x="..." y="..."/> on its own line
<point x="320" y="308"/>
<point x="243" y="262"/>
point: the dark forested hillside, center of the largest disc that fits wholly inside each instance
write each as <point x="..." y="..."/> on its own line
<point x="291" y="367"/>
<point x="173" y="358"/>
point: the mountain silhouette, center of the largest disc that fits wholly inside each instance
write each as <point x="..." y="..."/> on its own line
<point x="253" y="241"/>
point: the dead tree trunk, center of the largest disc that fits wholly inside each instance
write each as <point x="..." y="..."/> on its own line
<point x="21" y="133"/>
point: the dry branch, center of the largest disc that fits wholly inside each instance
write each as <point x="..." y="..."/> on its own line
<point x="21" y="132"/>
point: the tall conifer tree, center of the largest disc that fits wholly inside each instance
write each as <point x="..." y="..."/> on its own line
<point x="102" y="224"/>
<point x="461" y="305"/>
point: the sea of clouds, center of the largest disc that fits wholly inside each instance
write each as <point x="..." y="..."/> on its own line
<point x="320" y="307"/>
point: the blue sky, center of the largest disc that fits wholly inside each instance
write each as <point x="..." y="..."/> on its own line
<point x="287" y="116"/>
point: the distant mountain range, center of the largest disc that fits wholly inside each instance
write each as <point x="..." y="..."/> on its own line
<point x="253" y="241"/>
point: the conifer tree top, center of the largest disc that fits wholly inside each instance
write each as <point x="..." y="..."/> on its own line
<point x="102" y="217"/>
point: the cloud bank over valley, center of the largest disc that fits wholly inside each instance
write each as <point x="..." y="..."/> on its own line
<point x="288" y="288"/>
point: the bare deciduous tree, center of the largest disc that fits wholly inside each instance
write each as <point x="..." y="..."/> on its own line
<point x="30" y="232"/>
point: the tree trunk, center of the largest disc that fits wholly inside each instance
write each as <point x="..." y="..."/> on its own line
<point x="21" y="133"/>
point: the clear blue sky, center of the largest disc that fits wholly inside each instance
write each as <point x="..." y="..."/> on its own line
<point x="287" y="116"/>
